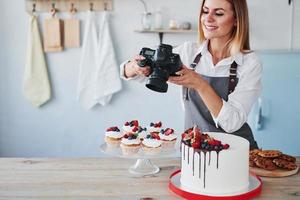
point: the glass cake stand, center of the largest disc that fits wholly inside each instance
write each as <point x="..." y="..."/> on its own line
<point x="143" y="165"/>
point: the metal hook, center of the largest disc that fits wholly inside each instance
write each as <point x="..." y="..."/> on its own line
<point x="73" y="9"/>
<point x="91" y="6"/>
<point x="105" y="6"/>
<point x="53" y="10"/>
<point x="33" y="7"/>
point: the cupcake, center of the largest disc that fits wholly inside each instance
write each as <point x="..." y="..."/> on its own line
<point x="113" y="136"/>
<point x="168" y="138"/>
<point x="154" y="127"/>
<point x="128" y="126"/>
<point x="142" y="133"/>
<point x="152" y="144"/>
<point x="130" y="144"/>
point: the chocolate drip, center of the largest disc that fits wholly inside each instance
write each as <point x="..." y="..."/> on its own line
<point x="193" y="161"/>
<point x="204" y="152"/>
<point x="199" y="152"/>
<point x="200" y="162"/>
<point x="188" y="155"/>
<point x="218" y="159"/>
<point x="184" y="152"/>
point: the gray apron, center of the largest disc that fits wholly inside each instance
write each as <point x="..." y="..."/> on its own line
<point x="196" y="112"/>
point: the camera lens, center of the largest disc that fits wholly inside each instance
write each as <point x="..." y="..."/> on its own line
<point x="158" y="81"/>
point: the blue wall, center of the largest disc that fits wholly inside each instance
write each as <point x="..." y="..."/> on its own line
<point x="280" y="103"/>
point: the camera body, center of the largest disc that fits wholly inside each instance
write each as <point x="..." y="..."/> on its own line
<point x="163" y="63"/>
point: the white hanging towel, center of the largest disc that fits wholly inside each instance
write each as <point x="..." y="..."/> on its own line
<point x="98" y="69"/>
<point x="36" y="85"/>
<point x="88" y="65"/>
<point x="108" y="76"/>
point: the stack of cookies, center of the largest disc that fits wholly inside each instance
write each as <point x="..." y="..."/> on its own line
<point x="271" y="160"/>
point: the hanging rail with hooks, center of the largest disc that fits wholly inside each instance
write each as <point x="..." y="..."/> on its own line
<point x="65" y="5"/>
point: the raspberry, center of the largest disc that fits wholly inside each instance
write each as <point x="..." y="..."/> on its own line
<point x="126" y="124"/>
<point x="135" y="122"/>
<point x="135" y="129"/>
<point x="225" y="146"/>
<point x="159" y="124"/>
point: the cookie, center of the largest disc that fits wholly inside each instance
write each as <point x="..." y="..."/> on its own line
<point x="270" y="153"/>
<point x="254" y="152"/>
<point x="284" y="164"/>
<point x="265" y="163"/>
<point x="252" y="163"/>
<point x="287" y="158"/>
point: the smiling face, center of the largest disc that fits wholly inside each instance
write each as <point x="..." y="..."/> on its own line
<point x="217" y="19"/>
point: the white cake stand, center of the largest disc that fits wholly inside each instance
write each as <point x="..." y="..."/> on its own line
<point x="143" y="165"/>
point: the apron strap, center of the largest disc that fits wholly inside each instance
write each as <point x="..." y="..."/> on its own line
<point x="232" y="75"/>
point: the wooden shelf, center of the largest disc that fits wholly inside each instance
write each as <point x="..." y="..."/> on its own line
<point x="166" y="31"/>
<point x="161" y="32"/>
<point x="66" y="5"/>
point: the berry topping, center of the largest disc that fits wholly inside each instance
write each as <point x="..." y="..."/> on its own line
<point x="135" y="129"/>
<point x="168" y="131"/>
<point x="113" y="128"/>
<point x="195" y="138"/>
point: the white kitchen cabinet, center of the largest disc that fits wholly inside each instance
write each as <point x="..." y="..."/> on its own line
<point x="271" y="24"/>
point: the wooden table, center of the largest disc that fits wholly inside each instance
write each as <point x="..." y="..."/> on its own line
<point x="105" y="178"/>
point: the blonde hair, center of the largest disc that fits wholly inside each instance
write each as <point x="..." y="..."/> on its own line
<point x="239" y="40"/>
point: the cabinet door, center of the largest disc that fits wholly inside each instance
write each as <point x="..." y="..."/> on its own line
<point x="275" y="120"/>
<point x="270" y="24"/>
<point x="296" y="25"/>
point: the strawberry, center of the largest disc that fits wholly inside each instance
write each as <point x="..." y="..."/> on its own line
<point x="127" y="124"/>
<point x="169" y="131"/>
<point x="225" y="146"/>
<point x="155" y="135"/>
<point x="196" y="145"/>
<point x="183" y="135"/>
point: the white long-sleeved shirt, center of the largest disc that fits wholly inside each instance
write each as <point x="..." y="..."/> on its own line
<point x="235" y="110"/>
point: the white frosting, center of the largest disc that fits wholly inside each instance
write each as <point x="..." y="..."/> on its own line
<point x="113" y="134"/>
<point x="167" y="137"/>
<point x="152" y="142"/>
<point x="130" y="142"/>
<point x="127" y="128"/>
<point x="143" y="134"/>
<point x="153" y="129"/>
<point x="232" y="174"/>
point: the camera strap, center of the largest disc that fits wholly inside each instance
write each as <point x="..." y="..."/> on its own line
<point x="232" y="75"/>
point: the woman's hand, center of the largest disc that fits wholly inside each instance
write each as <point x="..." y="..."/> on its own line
<point x="187" y="78"/>
<point x="132" y="68"/>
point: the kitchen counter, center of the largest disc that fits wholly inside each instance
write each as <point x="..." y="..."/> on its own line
<point x="105" y="178"/>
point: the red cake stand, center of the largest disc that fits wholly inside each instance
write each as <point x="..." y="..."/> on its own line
<point x="253" y="190"/>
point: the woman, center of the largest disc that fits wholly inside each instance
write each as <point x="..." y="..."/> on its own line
<point x="220" y="76"/>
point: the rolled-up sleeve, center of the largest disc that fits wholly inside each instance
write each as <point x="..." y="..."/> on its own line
<point x="235" y="111"/>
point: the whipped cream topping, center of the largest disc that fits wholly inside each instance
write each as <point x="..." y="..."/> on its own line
<point x="152" y="142"/>
<point x="113" y="134"/>
<point x="127" y="128"/>
<point x="142" y="134"/>
<point x="130" y="142"/>
<point x="153" y="129"/>
<point x="167" y="137"/>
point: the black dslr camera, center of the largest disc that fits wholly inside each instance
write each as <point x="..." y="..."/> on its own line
<point x="163" y="63"/>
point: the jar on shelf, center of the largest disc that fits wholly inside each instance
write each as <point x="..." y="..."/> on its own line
<point x="146" y="21"/>
<point x="158" y="20"/>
